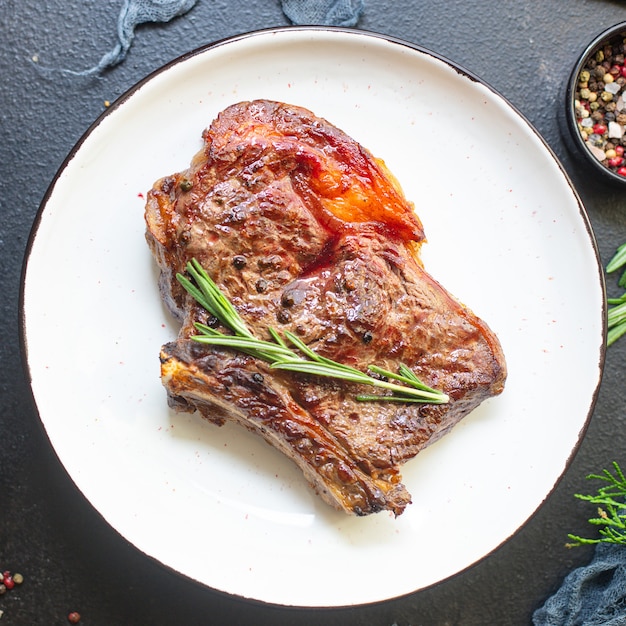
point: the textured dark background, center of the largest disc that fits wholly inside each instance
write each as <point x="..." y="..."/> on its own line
<point x="71" y="559"/>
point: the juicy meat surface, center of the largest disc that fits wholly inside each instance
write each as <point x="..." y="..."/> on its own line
<point x="304" y="230"/>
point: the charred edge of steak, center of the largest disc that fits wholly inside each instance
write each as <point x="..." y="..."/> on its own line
<point x="218" y="384"/>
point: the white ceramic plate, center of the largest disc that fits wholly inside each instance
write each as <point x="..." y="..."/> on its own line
<point x="506" y="234"/>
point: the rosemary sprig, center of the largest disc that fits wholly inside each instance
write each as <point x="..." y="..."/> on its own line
<point x="616" y="316"/>
<point x="280" y="356"/>
<point x="611" y="501"/>
<point x="618" y="260"/>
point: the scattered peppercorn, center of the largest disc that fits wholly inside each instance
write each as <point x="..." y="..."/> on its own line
<point x="73" y="617"/>
<point x="8" y="581"/>
<point x="287" y="300"/>
<point x="257" y="378"/>
<point x="212" y="321"/>
<point x="600" y="104"/>
<point x="283" y="316"/>
<point x="185" y="184"/>
<point x="239" y="262"/>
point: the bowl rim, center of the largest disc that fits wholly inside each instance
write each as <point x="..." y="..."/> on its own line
<point x="606" y="35"/>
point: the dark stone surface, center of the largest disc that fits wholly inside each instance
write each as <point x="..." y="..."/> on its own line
<point x="71" y="559"/>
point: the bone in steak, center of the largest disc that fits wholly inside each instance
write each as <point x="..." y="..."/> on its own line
<point x="304" y="230"/>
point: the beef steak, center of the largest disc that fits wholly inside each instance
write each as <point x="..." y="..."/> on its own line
<point x="304" y="230"/>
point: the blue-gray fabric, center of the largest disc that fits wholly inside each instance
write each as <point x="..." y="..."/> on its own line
<point x="132" y="14"/>
<point x="593" y="595"/>
<point x="324" y="12"/>
<point x="136" y="12"/>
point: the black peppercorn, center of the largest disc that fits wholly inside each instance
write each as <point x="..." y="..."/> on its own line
<point x="287" y="300"/>
<point x="239" y="262"/>
<point x="283" y="316"/>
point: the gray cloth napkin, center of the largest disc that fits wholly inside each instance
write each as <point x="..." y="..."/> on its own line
<point x="136" y="12"/>
<point x="594" y="595"/>
<point x="325" y="12"/>
<point x="133" y="13"/>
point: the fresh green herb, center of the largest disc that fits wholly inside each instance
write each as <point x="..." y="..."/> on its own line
<point x="618" y="260"/>
<point x="280" y="356"/>
<point x="616" y="317"/>
<point x="611" y="501"/>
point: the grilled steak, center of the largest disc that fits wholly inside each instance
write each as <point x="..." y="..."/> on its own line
<point x="304" y="230"/>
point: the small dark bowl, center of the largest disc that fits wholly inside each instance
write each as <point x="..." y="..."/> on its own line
<point x="578" y="144"/>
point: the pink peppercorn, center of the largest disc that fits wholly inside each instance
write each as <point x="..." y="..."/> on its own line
<point x="619" y="150"/>
<point x="623" y="71"/>
<point x="616" y="161"/>
<point x="622" y="171"/>
<point x="599" y="129"/>
<point x="73" y="617"/>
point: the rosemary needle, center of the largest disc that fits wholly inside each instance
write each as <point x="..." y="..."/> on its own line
<point x="616" y="315"/>
<point x="618" y="260"/>
<point x="280" y="356"/>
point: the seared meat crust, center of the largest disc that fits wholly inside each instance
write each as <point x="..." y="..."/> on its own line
<point x="304" y="230"/>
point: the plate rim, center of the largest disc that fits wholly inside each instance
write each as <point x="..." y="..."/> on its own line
<point x="360" y="33"/>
